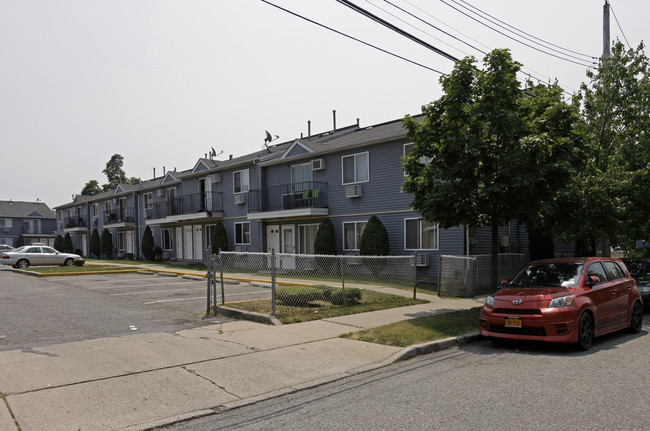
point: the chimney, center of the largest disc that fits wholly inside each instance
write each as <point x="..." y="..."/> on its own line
<point x="154" y="173"/>
<point x="334" y="118"/>
<point x="163" y="171"/>
<point x="309" y="129"/>
<point x="357" y="122"/>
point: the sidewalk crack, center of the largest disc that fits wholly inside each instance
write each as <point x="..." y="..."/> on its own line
<point x="211" y="381"/>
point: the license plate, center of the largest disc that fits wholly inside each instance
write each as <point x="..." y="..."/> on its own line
<point x="513" y="322"/>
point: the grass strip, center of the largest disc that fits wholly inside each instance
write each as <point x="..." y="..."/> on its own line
<point x="421" y="330"/>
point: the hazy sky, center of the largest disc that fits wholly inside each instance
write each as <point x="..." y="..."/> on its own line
<point x="162" y="81"/>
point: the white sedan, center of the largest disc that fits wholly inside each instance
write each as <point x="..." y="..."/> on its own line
<point x="23" y="257"/>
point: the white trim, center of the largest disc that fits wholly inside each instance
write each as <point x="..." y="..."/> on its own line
<point x="356" y="180"/>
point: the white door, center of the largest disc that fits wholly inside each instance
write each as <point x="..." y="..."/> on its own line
<point x="177" y="243"/>
<point x="288" y="246"/>
<point x="129" y="241"/>
<point x="187" y="243"/>
<point x="273" y="238"/>
<point x="197" y="241"/>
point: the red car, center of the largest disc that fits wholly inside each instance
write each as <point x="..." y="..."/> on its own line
<point x="564" y="301"/>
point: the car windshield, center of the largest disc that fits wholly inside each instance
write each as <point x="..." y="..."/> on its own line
<point x="559" y="274"/>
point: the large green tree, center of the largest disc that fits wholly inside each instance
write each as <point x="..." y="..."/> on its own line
<point x="487" y="151"/>
<point x="610" y="198"/>
<point x="115" y="174"/>
<point x="91" y="188"/>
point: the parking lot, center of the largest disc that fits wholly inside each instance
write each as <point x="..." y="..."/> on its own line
<point x="39" y="311"/>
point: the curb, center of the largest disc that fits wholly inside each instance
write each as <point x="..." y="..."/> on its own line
<point x="248" y="315"/>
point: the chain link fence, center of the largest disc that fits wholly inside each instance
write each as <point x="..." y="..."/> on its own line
<point x="457" y="276"/>
<point x="299" y="280"/>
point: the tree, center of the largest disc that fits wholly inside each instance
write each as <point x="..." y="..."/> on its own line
<point x="611" y="196"/>
<point x="95" y="244"/>
<point x="106" y="242"/>
<point x="20" y="241"/>
<point x="325" y="242"/>
<point x="148" y="245"/>
<point x="115" y="174"/>
<point x="219" y="239"/>
<point x="58" y="243"/>
<point x="486" y="152"/>
<point x="67" y="244"/>
<point x="374" y="239"/>
<point x="91" y="188"/>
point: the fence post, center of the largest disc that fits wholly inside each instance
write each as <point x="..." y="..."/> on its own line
<point x="209" y="280"/>
<point x="439" y="278"/>
<point x="341" y="259"/>
<point x="223" y="290"/>
<point x="272" y="282"/>
<point x="415" y="273"/>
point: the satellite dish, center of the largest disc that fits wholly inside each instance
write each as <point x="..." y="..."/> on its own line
<point x="268" y="137"/>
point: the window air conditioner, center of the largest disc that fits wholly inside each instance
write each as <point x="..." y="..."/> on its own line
<point x="215" y="178"/>
<point x="240" y="198"/>
<point x="422" y="259"/>
<point x="317" y="165"/>
<point x="353" y="191"/>
<point x="160" y="193"/>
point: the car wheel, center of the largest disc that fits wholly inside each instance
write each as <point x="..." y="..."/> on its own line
<point x="636" y="321"/>
<point x="68" y="262"/>
<point x="22" y="264"/>
<point x="585" y="331"/>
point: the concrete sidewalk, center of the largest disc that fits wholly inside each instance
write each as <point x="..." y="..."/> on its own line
<point x="139" y="381"/>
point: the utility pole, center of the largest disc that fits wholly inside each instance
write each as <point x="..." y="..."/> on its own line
<point x="606" y="42"/>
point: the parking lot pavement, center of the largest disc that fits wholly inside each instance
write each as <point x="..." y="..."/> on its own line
<point x="39" y="311"/>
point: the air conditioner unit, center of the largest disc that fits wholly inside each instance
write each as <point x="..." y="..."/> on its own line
<point x="422" y="259"/>
<point x="160" y="193"/>
<point x="353" y="191"/>
<point x="215" y="178"/>
<point x="317" y="165"/>
<point x="240" y="198"/>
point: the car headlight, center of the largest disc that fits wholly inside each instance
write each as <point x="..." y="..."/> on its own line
<point x="489" y="300"/>
<point x="562" y="301"/>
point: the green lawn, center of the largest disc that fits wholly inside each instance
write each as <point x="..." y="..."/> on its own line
<point x="422" y="329"/>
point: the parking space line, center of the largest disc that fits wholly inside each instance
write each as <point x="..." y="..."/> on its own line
<point x="149" y="292"/>
<point x="142" y="285"/>
<point x="174" y="300"/>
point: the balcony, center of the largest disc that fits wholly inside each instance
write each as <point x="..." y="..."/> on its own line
<point x="291" y="200"/>
<point x="187" y="207"/>
<point x="75" y="224"/>
<point x="119" y="217"/>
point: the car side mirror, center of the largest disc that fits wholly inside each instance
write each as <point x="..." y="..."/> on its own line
<point x="593" y="280"/>
<point x="505" y="281"/>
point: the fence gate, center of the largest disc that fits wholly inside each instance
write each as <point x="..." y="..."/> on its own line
<point x="457" y="276"/>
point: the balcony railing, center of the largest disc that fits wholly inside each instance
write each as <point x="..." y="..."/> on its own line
<point x="119" y="215"/>
<point x="308" y="194"/>
<point x="185" y="205"/>
<point x="74" y="222"/>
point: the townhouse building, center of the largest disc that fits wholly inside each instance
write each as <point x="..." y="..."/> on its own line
<point x="35" y="221"/>
<point x="276" y="198"/>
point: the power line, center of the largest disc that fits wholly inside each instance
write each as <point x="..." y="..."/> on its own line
<point x="590" y="57"/>
<point x="516" y="40"/>
<point x="396" y="29"/>
<point x="619" y="26"/>
<point x="352" y="37"/>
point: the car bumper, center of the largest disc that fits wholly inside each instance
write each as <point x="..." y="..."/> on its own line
<point x="550" y="325"/>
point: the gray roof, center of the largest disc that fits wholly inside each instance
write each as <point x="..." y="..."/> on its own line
<point x="17" y="209"/>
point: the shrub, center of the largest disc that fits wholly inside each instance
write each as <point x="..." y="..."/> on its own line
<point x="106" y="242"/>
<point x="79" y="262"/>
<point x="325" y="241"/>
<point x="58" y="243"/>
<point x="95" y="244"/>
<point x="148" y="244"/>
<point x="297" y="296"/>
<point x="374" y="239"/>
<point x="67" y="243"/>
<point x="219" y="238"/>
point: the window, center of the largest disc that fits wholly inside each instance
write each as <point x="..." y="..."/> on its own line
<point x="95" y="209"/>
<point x="5" y="223"/>
<point x="355" y="168"/>
<point x="167" y="239"/>
<point x="408" y="147"/>
<point x="242" y="233"/>
<point x="614" y="272"/>
<point x="240" y="181"/>
<point x="307" y="238"/>
<point x="148" y="201"/>
<point x="596" y="269"/>
<point x="108" y="206"/>
<point x="302" y="177"/>
<point x="419" y="234"/>
<point x="352" y="234"/>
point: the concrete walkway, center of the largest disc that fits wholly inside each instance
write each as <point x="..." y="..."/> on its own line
<point x="140" y="381"/>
